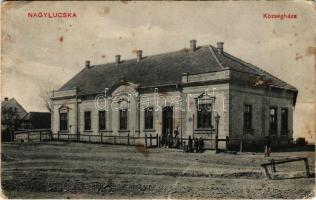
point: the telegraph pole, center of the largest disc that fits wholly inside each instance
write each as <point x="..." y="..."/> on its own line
<point x="217" y="117"/>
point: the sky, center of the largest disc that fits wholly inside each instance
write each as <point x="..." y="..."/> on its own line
<point x="46" y="52"/>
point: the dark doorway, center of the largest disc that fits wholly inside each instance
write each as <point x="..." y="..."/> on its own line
<point x="167" y="123"/>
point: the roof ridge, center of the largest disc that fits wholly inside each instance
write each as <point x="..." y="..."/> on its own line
<point x="82" y="70"/>
<point x="153" y="55"/>
<point x="215" y="57"/>
<point x="227" y="55"/>
<point x="19" y="104"/>
<point x="253" y="67"/>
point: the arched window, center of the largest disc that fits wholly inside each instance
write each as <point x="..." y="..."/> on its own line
<point x="102" y="120"/>
<point x="247" y="117"/>
<point x="149" y="118"/>
<point x="63" y="119"/>
<point x="123" y="119"/>
<point x="87" y="120"/>
<point x="284" y="121"/>
<point x="273" y="120"/>
<point x="204" y="115"/>
<point x="124" y="105"/>
<point x="204" y="105"/>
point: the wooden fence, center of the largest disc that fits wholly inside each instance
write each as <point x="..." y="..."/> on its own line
<point x="257" y="144"/>
<point x="33" y="135"/>
<point x="147" y="141"/>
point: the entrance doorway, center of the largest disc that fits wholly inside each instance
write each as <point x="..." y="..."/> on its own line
<point x="167" y="123"/>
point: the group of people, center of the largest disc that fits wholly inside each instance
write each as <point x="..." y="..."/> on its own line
<point x="196" y="145"/>
<point x="172" y="141"/>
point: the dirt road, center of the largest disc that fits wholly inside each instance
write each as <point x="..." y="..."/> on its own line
<point x="77" y="170"/>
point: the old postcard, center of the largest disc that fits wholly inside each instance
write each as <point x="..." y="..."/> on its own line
<point x="158" y="99"/>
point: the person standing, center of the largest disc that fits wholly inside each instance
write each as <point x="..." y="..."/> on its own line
<point x="190" y="145"/>
<point x="176" y="138"/>
<point x="196" y="145"/>
<point x="267" y="146"/>
<point x="170" y="140"/>
<point x="201" y="145"/>
<point x="166" y="143"/>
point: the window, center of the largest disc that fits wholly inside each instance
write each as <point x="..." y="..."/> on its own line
<point x="87" y="120"/>
<point x="204" y="116"/>
<point x="273" y="120"/>
<point x="63" y="117"/>
<point x="149" y="118"/>
<point x="123" y="119"/>
<point x="247" y="117"/>
<point x="284" y="120"/>
<point x="101" y="120"/>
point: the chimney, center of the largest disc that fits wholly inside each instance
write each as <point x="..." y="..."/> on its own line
<point x="6" y="98"/>
<point x="117" y="59"/>
<point x="220" y="47"/>
<point x="87" y="64"/>
<point x="139" y="55"/>
<point x="192" y="45"/>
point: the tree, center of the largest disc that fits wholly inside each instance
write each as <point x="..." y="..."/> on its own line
<point x="10" y="121"/>
<point x="45" y="94"/>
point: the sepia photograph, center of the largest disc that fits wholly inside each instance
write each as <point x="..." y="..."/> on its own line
<point x="158" y="99"/>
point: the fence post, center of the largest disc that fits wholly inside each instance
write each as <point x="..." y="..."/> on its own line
<point x="58" y="135"/>
<point x="307" y="167"/>
<point x="68" y="137"/>
<point x="157" y="141"/>
<point x="89" y="138"/>
<point x="114" y="140"/>
<point x="267" y="172"/>
<point x="240" y="146"/>
<point x="40" y="136"/>
<point x="150" y="140"/>
<point x="217" y="117"/>
<point x="101" y="137"/>
<point x="127" y="139"/>
<point x="273" y="166"/>
<point x="146" y="140"/>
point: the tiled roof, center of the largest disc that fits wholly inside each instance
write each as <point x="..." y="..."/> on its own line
<point x="37" y="115"/>
<point x="162" y="69"/>
<point x="236" y="63"/>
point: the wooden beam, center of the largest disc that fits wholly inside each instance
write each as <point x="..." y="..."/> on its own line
<point x="284" y="161"/>
<point x="273" y="162"/>
<point x="267" y="172"/>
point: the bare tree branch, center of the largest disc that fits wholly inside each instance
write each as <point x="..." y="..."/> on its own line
<point x="45" y="94"/>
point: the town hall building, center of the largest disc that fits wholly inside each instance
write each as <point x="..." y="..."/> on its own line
<point x="189" y="91"/>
